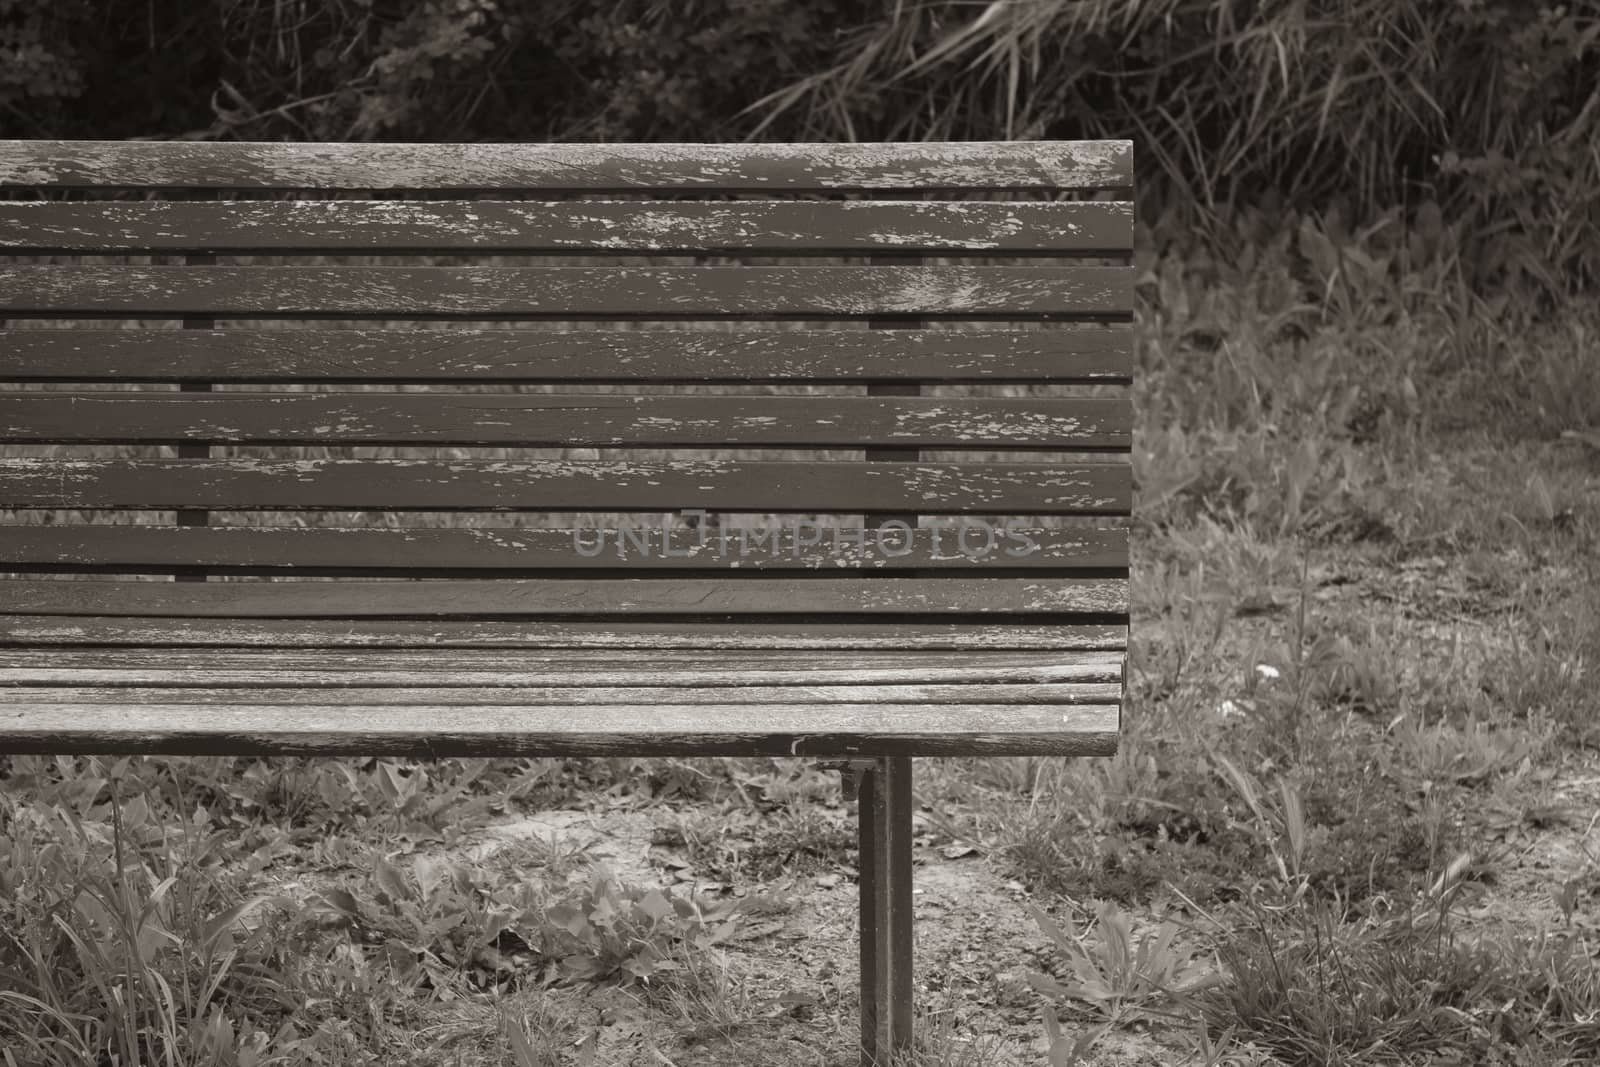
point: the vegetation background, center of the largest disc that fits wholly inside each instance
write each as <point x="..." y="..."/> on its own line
<point x="1353" y="819"/>
<point x="1484" y="109"/>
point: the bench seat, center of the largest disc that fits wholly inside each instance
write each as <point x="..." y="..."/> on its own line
<point x="483" y="702"/>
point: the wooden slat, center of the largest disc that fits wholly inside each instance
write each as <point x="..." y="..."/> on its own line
<point x="568" y="420"/>
<point x="587" y="167"/>
<point x="441" y="668"/>
<point x="567" y="485"/>
<point x="1089" y="354"/>
<point x="345" y="227"/>
<point x="566" y="292"/>
<point x="560" y="730"/>
<point x="223" y="694"/>
<point x="122" y="633"/>
<point x="781" y="548"/>
<point x="573" y="596"/>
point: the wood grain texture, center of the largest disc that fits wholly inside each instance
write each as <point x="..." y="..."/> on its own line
<point x="193" y="449"/>
<point x="785" y="227"/>
<point x="567" y="420"/>
<point x="21" y="631"/>
<point x="568" y="485"/>
<point x="556" y="667"/>
<point x="308" y="548"/>
<point x="1085" y="354"/>
<point x="566" y="292"/>
<point x="559" y="730"/>
<point x="1043" y="165"/>
<point x="223" y="692"/>
<point x="777" y="656"/>
<point x="570" y="596"/>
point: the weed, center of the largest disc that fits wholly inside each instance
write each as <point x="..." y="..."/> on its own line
<point x="1283" y="831"/>
<point x="1313" y="988"/>
<point x="793" y="840"/>
<point x="1121" y="974"/>
<point x="702" y="996"/>
<point x="612" y="931"/>
<point x="114" y="942"/>
<point x="1225" y="1051"/>
<point x="1466" y="755"/>
<point x="1068" y="1051"/>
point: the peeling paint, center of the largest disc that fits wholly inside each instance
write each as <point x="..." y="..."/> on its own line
<point x="973" y="165"/>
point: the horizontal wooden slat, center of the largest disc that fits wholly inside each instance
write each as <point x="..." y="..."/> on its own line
<point x="780" y="548"/>
<point x="557" y="730"/>
<point x="565" y="292"/>
<point x="436" y="668"/>
<point x="347" y="227"/>
<point x="61" y="632"/>
<point x="572" y="596"/>
<point x="223" y="694"/>
<point x="1089" y="354"/>
<point x="568" y="420"/>
<point x="589" y="167"/>
<point x="567" y="485"/>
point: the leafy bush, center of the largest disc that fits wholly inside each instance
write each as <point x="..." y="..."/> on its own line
<point x="39" y="61"/>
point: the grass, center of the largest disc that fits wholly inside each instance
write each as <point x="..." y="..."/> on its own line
<point x="1363" y="627"/>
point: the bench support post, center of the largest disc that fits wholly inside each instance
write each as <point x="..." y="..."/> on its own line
<point x="886" y="972"/>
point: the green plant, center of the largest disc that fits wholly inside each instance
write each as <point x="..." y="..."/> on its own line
<point x="1312" y="988"/>
<point x="1065" y="1051"/>
<point x="627" y="933"/>
<point x="1487" y="102"/>
<point x="1470" y="754"/>
<point x="115" y="942"/>
<point x="1226" y="1051"/>
<point x="40" y="63"/>
<point x="1123" y="974"/>
<point x="1283" y="831"/>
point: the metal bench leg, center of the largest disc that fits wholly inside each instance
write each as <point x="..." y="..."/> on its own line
<point x="885" y="828"/>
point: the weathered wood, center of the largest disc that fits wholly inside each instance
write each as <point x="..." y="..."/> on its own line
<point x="567" y="420"/>
<point x="306" y="668"/>
<point x="309" y="548"/>
<point x="978" y="165"/>
<point x="1084" y="354"/>
<point x="568" y="485"/>
<point x="566" y="292"/>
<point x="131" y="633"/>
<point x="783" y="227"/>
<point x="881" y="519"/>
<point x="425" y="730"/>
<point x="533" y="642"/>
<point x="569" y="596"/>
<point x="222" y="693"/>
<point x="946" y="665"/>
<point x="190" y="517"/>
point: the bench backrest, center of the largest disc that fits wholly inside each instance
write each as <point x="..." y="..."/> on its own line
<point x="249" y="361"/>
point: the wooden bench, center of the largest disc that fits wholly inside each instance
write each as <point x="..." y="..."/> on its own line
<point x="280" y="515"/>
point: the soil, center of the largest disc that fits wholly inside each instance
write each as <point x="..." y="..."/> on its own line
<point x="793" y="974"/>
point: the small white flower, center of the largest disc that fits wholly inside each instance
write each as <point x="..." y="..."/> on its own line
<point x="1267" y="671"/>
<point x="1229" y="710"/>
